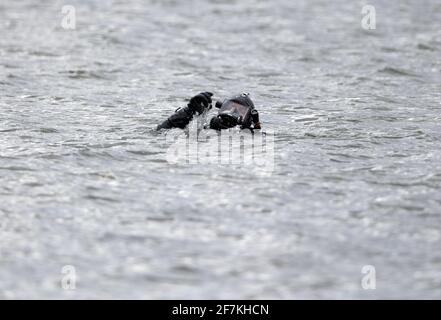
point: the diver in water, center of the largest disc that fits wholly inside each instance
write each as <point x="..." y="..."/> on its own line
<point x="238" y="110"/>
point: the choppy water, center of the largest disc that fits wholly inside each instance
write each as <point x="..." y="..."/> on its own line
<point x="84" y="180"/>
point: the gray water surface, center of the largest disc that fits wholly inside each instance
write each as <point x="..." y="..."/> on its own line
<point x="84" y="179"/>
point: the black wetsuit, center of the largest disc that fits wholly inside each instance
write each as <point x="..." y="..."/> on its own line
<point x="202" y="102"/>
<point x="182" y="117"/>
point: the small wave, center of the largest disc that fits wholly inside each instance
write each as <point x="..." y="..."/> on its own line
<point x="267" y="74"/>
<point x="423" y="46"/>
<point x="83" y="74"/>
<point x="389" y="49"/>
<point x="306" y="59"/>
<point x="9" y="130"/>
<point x="306" y="119"/>
<point x="397" y="72"/>
<point x="43" y="54"/>
<point x="349" y="156"/>
<point x="33" y="184"/>
<point x="142" y="152"/>
<point x="48" y="130"/>
<point x="106" y="175"/>
<point x="102" y="198"/>
<point x="10" y="66"/>
<point x="16" y="168"/>
<point x="107" y="145"/>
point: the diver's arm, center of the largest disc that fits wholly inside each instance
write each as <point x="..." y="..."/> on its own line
<point x="182" y="117"/>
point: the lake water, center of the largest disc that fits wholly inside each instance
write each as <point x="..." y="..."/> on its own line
<point x="84" y="179"/>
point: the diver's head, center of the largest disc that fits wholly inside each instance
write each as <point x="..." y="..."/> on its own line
<point x="232" y="112"/>
<point x="243" y="99"/>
